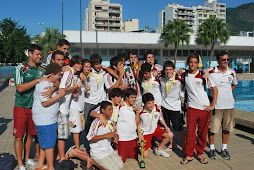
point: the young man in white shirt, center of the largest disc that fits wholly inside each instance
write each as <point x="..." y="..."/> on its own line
<point x="58" y="58"/>
<point x="97" y="93"/>
<point x="150" y="84"/>
<point x="126" y="127"/>
<point x="100" y="138"/>
<point x="171" y="90"/>
<point x="67" y="84"/>
<point x="148" y="118"/>
<point x="199" y="108"/>
<point x="226" y="81"/>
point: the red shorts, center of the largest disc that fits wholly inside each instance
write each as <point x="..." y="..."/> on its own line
<point x="23" y="122"/>
<point x="127" y="149"/>
<point x="159" y="131"/>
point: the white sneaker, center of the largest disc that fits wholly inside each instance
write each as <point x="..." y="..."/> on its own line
<point x="22" y="168"/>
<point x="30" y="164"/>
<point x="161" y="153"/>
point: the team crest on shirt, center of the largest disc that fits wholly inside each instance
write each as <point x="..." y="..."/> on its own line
<point x="14" y="130"/>
<point x="198" y="83"/>
<point x="153" y="84"/>
<point x="155" y="116"/>
<point x="40" y="73"/>
<point x="174" y="84"/>
<point x="229" y="78"/>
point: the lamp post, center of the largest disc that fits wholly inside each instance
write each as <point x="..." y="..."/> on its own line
<point x="81" y="48"/>
<point x="62" y="20"/>
<point x="40" y="23"/>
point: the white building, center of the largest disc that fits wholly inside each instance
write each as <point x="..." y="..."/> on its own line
<point x="219" y="8"/>
<point x="131" y="25"/>
<point x="108" y="44"/>
<point x="101" y="15"/>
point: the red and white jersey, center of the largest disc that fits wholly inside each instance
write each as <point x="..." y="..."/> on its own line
<point x="97" y="93"/>
<point x="114" y="117"/>
<point x="126" y="126"/>
<point x="149" y="120"/>
<point x="153" y="87"/>
<point x="197" y="96"/>
<point x="157" y="67"/>
<point x="110" y="80"/>
<point x="131" y="80"/>
<point x="224" y="82"/>
<point x="171" y="97"/>
<point x="101" y="148"/>
<point x="66" y="81"/>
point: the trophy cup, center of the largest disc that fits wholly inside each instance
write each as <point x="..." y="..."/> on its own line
<point x="142" y="143"/>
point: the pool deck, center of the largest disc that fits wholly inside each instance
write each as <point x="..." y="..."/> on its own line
<point x="241" y="143"/>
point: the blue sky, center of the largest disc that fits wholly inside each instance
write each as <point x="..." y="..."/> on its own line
<point x="30" y="12"/>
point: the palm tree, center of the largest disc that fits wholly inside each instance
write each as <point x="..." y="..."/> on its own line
<point x="48" y="41"/>
<point x="212" y="30"/>
<point x="176" y="31"/>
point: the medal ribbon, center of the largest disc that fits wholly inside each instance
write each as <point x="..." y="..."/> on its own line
<point x="149" y="117"/>
<point x="169" y="87"/>
<point x="110" y="126"/>
<point x="147" y="89"/>
<point x="114" y="112"/>
<point x="97" y="80"/>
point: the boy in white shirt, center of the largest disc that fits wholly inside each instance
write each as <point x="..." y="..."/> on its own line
<point x="67" y="84"/>
<point x="171" y="89"/>
<point x="150" y="84"/>
<point x="148" y="118"/>
<point x="126" y="127"/>
<point x="100" y="140"/>
<point x="45" y="116"/>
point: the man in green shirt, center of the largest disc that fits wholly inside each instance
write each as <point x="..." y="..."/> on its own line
<point x="26" y="76"/>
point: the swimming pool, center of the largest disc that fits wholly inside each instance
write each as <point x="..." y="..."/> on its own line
<point x="244" y="94"/>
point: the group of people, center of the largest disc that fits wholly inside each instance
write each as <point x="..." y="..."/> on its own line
<point x="117" y="106"/>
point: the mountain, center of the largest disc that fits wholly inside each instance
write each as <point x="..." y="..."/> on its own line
<point x="241" y="18"/>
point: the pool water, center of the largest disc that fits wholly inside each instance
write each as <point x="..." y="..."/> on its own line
<point x="244" y="95"/>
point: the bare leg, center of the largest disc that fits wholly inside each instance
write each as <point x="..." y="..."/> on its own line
<point x="146" y="153"/>
<point x="181" y="135"/>
<point x="225" y="136"/>
<point x="76" y="140"/>
<point x="168" y="137"/>
<point x="40" y="162"/>
<point x="18" y="146"/>
<point x="61" y="149"/>
<point x="211" y="137"/>
<point x="37" y="149"/>
<point x="28" y="144"/>
<point x="50" y="158"/>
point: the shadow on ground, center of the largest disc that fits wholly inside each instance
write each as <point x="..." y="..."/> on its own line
<point x="3" y="124"/>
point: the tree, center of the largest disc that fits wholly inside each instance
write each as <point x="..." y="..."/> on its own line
<point x="212" y="30"/>
<point x="48" y="41"/>
<point x="176" y="32"/>
<point x="14" y="40"/>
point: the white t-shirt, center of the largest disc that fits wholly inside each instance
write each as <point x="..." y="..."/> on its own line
<point x="131" y="80"/>
<point x="197" y="96"/>
<point x="114" y="117"/>
<point x="154" y="88"/>
<point x="101" y="148"/>
<point x="44" y="115"/>
<point x="66" y="81"/>
<point x="171" y="99"/>
<point x="224" y="82"/>
<point x="97" y="93"/>
<point x="149" y="120"/>
<point x="126" y="126"/>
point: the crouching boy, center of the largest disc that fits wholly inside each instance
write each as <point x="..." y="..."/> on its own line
<point x="149" y="117"/>
<point x="45" y="116"/>
<point x="100" y="140"/>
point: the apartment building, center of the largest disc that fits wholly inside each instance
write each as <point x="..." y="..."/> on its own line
<point x="101" y="15"/>
<point x="131" y="25"/>
<point x="219" y="8"/>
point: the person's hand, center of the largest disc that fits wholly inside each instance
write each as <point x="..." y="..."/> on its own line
<point x="111" y="134"/>
<point x="83" y="77"/>
<point x="79" y="84"/>
<point x="103" y="121"/>
<point x="206" y="74"/>
<point x="140" y="137"/>
<point x="66" y="68"/>
<point x="48" y="93"/>
<point x="116" y="138"/>
<point x="180" y="71"/>
<point x="136" y="108"/>
<point x="124" y="87"/>
<point x="121" y="72"/>
<point x="167" y="130"/>
<point x="75" y="93"/>
<point x="208" y="108"/>
<point x="87" y="88"/>
<point x="61" y="92"/>
<point x="156" y="73"/>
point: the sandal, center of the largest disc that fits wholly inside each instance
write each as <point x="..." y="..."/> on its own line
<point x="203" y="161"/>
<point x="69" y="150"/>
<point x="43" y="168"/>
<point x="183" y="162"/>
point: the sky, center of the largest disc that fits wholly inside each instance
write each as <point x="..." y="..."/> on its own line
<point x="49" y="12"/>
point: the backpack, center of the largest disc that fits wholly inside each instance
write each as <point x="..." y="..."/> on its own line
<point x="7" y="161"/>
<point x="65" y="165"/>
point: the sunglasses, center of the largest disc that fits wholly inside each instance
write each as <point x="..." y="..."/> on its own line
<point x="226" y="59"/>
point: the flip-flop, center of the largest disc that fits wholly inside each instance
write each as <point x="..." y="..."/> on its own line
<point x="68" y="151"/>
<point x="43" y="168"/>
<point x="188" y="160"/>
<point x="203" y="161"/>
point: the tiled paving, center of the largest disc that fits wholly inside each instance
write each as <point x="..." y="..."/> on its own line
<point x="241" y="144"/>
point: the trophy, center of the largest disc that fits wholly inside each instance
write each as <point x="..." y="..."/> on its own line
<point x="142" y="143"/>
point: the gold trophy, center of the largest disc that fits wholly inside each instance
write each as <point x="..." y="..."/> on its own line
<point x="142" y="143"/>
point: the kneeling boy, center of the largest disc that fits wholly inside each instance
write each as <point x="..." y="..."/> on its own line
<point x="100" y="140"/>
<point x="149" y="117"/>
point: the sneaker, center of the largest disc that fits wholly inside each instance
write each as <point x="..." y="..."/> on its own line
<point x="212" y="154"/>
<point x="225" y="154"/>
<point x="30" y="164"/>
<point x="22" y="168"/>
<point x="161" y="153"/>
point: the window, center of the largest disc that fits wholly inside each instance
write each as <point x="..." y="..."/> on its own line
<point x="104" y="52"/>
<point x="165" y="53"/>
<point x="204" y="53"/>
<point x="185" y="52"/>
<point x="205" y="15"/>
<point x="200" y="15"/>
<point x="112" y="52"/>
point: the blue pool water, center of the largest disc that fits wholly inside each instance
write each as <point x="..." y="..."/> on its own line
<point x="244" y="93"/>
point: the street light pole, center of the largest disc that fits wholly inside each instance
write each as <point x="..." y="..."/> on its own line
<point x="62" y="20"/>
<point x="81" y="48"/>
<point x="40" y="23"/>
